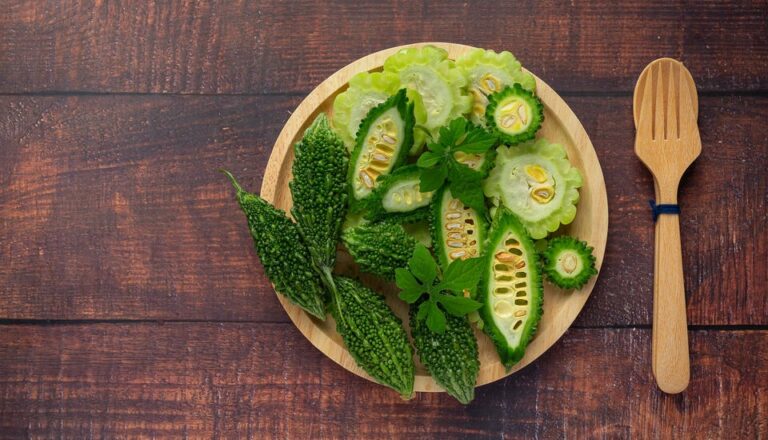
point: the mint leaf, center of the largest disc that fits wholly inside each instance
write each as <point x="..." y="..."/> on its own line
<point x="435" y="318"/>
<point x="477" y="141"/>
<point x="428" y="159"/>
<point x="410" y="289"/>
<point x="423" y="310"/>
<point x="462" y="274"/>
<point x="430" y="179"/>
<point x="422" y="265"/>
<point x="458" y="305"/>
<point x="470" y="192"/>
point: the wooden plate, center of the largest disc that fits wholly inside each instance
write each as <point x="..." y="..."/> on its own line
<point x="560" y="307"/>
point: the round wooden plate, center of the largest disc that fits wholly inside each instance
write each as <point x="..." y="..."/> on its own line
<point x="560" y="307"/>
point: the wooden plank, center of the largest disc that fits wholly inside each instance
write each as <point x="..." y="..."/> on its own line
<point x="229" y="380"/>
<point x="111" y="208"/>
<point x="268" y="47"/>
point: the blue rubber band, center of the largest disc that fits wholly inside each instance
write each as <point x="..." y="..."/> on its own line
<point x="657" y="210"/>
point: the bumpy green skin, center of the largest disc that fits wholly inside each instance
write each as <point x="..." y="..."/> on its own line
<point x="319" y="190"/>
<point x="537" y="113"/>
<point x="574" y="280"/>
<point x="437" y="230"/>
<point x="405" y="110"/>
<point x="373" y="335"/>
<point x="380" y="248"/>
<point x="375" y="209"/>
<point x="451" y="357"/>
<point x="282" y="252"/>
<point x="504" y="222"/>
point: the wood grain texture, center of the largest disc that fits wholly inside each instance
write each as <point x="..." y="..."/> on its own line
<point x="230" y="381"/>
<point x="266" y="47"/>
<point x="111" y="208"/>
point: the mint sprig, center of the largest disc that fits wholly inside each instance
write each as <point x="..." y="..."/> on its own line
<point x="445" y="292"/>
<point x="438" y="164"/>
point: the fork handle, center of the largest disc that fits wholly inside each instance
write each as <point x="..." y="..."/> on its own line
<point x="671" y="363"/>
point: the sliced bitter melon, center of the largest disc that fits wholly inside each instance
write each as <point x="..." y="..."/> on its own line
<point x="537" y="183"/>
<point x="515" y="114"/>
<point x="439" y="84"/>
<point x="511" y="290"/>
<point x="383" y="141"/>
<point x="489" y="72"/>
<point x="458" y="230"/>
<point x="568" y="262"/>
<point x="397" y="195"/>
<point x="366" y="91"/>
<point x="478" y="162"/>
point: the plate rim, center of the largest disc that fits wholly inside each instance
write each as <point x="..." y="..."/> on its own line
<point x="311" y="105"/>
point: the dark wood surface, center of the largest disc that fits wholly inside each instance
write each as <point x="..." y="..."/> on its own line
<point x="131" y="301"/>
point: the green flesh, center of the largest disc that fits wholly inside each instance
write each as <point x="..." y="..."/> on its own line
<point x="515" y="114"/>
<point x="511" y="293"/>
<point x="459" y="231"/>
<point x="397" y="195"/>
<point x="384" y="139"/>
<point x="568" y="262"/>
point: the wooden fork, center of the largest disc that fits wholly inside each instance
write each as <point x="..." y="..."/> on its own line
<point x="667" y="142"/>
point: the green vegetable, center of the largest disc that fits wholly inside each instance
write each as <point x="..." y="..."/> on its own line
<point x="380" y="248"/>
<point x="440" y="164"/>
<point x="514" y="114"/>
<point x="282" y="252"/>
<point x="511" y="291"/>
<point x="382" y="144"/>
<point x="438" y="84"/>
<point x="537" y="183"/>
<point x="397" y="195"/>
<point x="458" y="230"/>
<point x="482" y="162"/>
<point x="451" y="357"/>
<point x="373" y="335"/>
<point x="319" y="190"/>
<point x="568" y="262"/>
<point x="423" y="278"/>
<point x="488" y="72"/>
<point x="366" y="91"/>
<point x="420" y="230"/>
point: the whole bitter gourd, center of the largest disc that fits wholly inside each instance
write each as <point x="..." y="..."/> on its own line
<point x="451" y="357"/>
<point x="373" y="335"/>
<point x="282" y="252"/>
<point x="319" y="190"/>
<point x="380" y="248"/>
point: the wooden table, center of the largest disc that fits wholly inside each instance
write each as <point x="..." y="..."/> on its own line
<point x="131" y="301"/>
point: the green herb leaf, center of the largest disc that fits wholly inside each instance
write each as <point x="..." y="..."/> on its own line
<point x="431" y="179"/>
<point x="435" y="318"/>
<point x="458" y="305"/>
<point x="423" y="266"/>
<point x="410" y="289"/>
<point x="477" y="141"/>
<point x="429" y="159"/>
<point x="470" y="192"/>
<point x="423" y="310"/>
<point x="462" y="274"/>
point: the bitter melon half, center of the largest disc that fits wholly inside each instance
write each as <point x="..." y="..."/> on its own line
<point x="397" y="197"/>
<point x="511" y="290"/>
<point x="458" y="230"/>
<point x="383" y="141"/>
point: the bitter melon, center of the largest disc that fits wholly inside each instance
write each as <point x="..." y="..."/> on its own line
<point x="514" y="114"/>
<point x="398" y="197"/>
<point x="366" y="91"/>
<point x="382" y="144"/>
<point x="568" y="262"/>
<point x="458" y="230"/>
<point x="511" y="289"/>
<point x="537" y="183"/>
